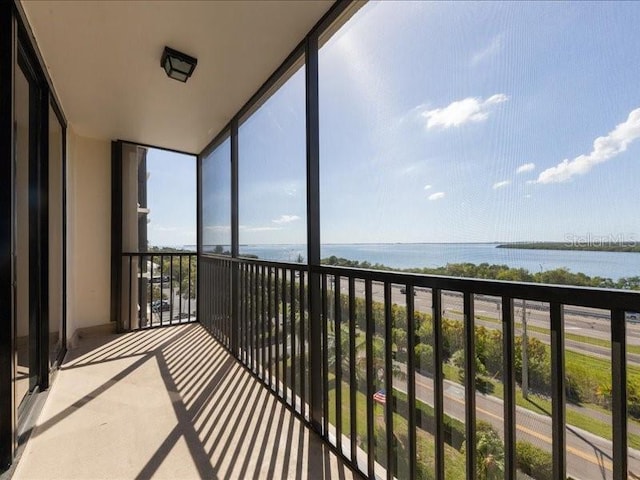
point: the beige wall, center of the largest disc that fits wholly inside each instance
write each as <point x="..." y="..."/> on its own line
<point x="89" y="232"/>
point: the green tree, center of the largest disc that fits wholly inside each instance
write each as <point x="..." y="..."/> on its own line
<point x="539" y="364"/>
<point x="424" y="358"/>
<point x="490" y="455"/>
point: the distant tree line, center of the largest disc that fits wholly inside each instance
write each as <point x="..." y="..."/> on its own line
<point x="558" y="276"/>
<point x="594" y="245"/>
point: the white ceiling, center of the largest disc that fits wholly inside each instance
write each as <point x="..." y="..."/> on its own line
<point x="104" y="60"/>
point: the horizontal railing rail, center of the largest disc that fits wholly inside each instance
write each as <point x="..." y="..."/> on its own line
<point x="158" y="289"/>
<point x="440" y="377"/>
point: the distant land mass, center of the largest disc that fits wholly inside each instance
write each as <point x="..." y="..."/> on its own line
<point x="587" y="246"/>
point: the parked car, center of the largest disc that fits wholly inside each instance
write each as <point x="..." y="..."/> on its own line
<point x="162" y="279"/>
<point x="632" y="317"/>
<point x="160" y="306"/>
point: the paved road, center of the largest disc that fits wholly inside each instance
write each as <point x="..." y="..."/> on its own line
<point x="582" y="321"/>
<point x="588" y="457"/>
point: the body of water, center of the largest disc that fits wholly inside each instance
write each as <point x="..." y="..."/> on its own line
<point x="613" y="265"/>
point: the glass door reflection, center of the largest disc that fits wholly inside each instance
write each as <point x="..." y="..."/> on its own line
<point x="26" y="345"/>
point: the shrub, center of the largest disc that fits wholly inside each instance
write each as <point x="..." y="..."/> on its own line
<point x="534" y="461"/>
<point x="579" y="385"/>
<point x="454" y="430"/>
<point x="452" y="337"/>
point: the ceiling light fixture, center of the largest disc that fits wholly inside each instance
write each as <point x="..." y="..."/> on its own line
<point x="177" y="65"/>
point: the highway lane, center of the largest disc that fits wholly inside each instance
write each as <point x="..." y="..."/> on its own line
<point x="586" y="322"/>
<point x="588" y="457"/>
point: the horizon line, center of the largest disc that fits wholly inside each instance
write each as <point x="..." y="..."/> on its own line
<point x="495" y="242"/>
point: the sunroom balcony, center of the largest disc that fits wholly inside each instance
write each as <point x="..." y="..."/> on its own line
<point x="236" y="390"/>
<point x="236" y="367"/>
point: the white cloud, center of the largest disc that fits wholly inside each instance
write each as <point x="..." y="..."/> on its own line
<point x="436" y="196"/>
<point x="286" y="219"/>
<point x="489" y="51"/>
<point x="604" y="149"/>
<point x="471" y="109"/>
<point x="501" y="184"/>
<point x="427" y="187"/>
<point x="527" y="167"/>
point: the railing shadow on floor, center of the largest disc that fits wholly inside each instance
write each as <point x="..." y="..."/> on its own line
<point x="231" y="425"/>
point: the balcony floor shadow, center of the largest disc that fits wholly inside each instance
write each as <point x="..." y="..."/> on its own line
<point x="167" y="403"/>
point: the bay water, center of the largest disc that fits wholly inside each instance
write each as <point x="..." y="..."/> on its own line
<point x="612" y="265"/>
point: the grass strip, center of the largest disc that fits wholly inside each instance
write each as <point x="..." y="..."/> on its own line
<point x="542" y="405"/>
<point x="601" y="342"/>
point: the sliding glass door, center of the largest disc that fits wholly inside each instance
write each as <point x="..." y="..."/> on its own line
<point x="25" y="165"/>
<point x="32" y="232"/>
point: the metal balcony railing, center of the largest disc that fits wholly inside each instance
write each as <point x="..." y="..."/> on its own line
<point x="157" y="289"/>
<point x="439" y="377"/>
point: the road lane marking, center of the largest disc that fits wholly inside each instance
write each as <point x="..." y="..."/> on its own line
<point x="590" y="458"/>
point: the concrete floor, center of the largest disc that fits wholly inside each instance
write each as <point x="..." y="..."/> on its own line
<point x="167" y="403"/>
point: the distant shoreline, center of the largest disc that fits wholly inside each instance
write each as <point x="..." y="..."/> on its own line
<point x="589" y="245"/>
<point x="573" y="246"/>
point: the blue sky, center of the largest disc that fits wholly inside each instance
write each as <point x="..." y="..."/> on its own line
<point x="171" y="197"/>
<point x="453" y="122"/>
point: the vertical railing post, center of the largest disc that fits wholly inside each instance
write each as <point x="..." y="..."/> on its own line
<point x="325" y="360"/>
<point x="337" y="315"/>
<point x="286" y="340"/>
<point x="558" y="392"/>
<point x="369" y="332"/>
<point x="509" y="379"/>
<point x="235" y="298"/>
<point x="388" y="381"/>
<point x="196" y="289"/>
<point x="411" y="381"/>
<point x="353" y="388"/>
<point x="292" y="332"/>
<point x="438" y="379"/>
<point x="619" y="393"/>
<point x="470" y="383"/>
<point x="313" y="233"/>
<point x="276" y="307"/>
<point x="304" y="367"/>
